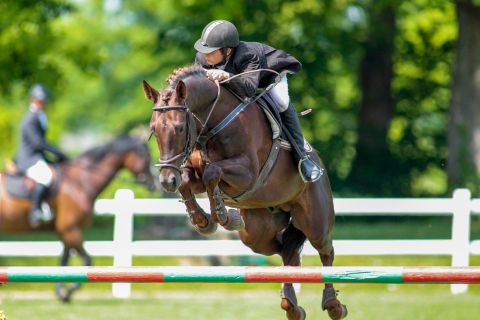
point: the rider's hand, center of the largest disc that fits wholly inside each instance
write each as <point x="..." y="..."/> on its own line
<point x="216" y="74"/>
<point x="63" y="157"/>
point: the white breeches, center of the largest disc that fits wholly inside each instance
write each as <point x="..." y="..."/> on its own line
<point x="41" y="173"/>
<point x="280" y="94"/>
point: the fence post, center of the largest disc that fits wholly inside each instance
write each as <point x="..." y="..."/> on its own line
<point x="122" y="238"/>
<point x="461" y="234"/>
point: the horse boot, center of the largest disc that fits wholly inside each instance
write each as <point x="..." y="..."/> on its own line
<point x="308" y="169"/>
<point x="35" y="215"/>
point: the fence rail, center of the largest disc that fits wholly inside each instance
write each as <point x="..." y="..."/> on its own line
<point x="124" y="206"/>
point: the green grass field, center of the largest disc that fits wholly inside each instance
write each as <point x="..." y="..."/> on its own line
<point x="363" y="301"/>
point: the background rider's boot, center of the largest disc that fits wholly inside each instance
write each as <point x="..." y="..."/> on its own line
<point x="35" y="215"/>
<point x="308" y="169"/>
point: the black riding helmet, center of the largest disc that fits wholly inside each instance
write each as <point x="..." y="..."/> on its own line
<point x="216" y="35"/>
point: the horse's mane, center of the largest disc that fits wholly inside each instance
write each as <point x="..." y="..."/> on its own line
<point x="120" y="145"/>
<point x="184" y="72"/>
<point x="176" y="76"/>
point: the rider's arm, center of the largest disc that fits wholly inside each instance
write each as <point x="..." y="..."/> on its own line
<point x="247" y="84"/>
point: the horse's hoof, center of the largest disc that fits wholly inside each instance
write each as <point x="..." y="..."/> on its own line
<point x="234" y="221"/>
<point x="209" y="229"/>
<point x="338" y="312"/>
<point x="63" y="294"/>
<point x="344" y="311"/>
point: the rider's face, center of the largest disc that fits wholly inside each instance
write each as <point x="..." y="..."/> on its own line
<point x="214" y="58"/>
<point x="39" y="104"/>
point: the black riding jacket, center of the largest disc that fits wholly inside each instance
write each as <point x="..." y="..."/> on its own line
<point x="253" y="56"/>
<point x="32" y="142"/>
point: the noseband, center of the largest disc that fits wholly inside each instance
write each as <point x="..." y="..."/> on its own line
<point x="191" y="138"/>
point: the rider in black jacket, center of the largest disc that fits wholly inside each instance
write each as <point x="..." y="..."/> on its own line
<point x="30" y="157"/>
<point x="220" y="51"/>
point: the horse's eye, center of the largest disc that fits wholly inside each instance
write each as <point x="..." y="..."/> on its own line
<point x="179" y="129"/>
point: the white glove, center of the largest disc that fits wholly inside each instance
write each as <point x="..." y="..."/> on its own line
<point x="217" y="74"/>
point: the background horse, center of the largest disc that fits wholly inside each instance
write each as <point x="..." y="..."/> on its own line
<point x="81" y="180"/>
<point x="205" y="147"/>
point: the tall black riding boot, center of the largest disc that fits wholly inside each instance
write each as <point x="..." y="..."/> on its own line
<point x="36" y="214"/>
<point x="308" y="169"/>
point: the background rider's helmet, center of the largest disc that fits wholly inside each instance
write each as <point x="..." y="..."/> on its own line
<point x="216" y="35"/>
<point x="39" y="92"/>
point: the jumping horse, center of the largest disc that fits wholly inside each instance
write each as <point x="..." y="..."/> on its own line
<point x="78" y="183"/>
<point x="212" y="142"/>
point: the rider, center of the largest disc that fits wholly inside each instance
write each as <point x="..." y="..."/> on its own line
<point x="30" y="157"/>
<point x="223" y="55"/>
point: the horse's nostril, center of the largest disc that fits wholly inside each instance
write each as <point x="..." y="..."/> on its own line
<point x="173" y="180"/>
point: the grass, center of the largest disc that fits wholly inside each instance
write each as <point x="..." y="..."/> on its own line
<point x="389" y="303"/>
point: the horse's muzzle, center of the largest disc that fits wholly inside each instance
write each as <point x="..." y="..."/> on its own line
<point x="170" y="180"/>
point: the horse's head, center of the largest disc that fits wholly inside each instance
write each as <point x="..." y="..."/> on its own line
<point x="137" y="160"/>
<point x="173" y="122"/>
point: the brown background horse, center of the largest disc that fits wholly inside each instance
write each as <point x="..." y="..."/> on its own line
<point x="81" y="181"/>
<point x="279" y="215"/>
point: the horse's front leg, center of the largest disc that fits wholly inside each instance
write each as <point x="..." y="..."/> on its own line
<point x="234" y="174"/>
<point x="200" y="220"/>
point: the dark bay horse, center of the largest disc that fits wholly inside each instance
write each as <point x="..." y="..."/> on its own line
<point x="210" y="142"/>
<point x="81" y="181"/>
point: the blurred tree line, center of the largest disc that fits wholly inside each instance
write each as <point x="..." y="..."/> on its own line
<point x="394" y="85"/>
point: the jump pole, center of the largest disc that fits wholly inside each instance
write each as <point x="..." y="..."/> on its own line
<point x="466" y="275"/>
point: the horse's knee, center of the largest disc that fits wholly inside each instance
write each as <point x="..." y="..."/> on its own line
<point x="211" y="173"/>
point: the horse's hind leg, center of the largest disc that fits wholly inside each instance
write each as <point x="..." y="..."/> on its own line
<point x="292" y="241"/>
<point x="316" y="219"/>
<point x="335" y="309"/>
<point x="263" y="235"/>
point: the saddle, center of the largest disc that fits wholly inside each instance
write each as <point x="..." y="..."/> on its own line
<point x="20" y="186"/>
<point x="268" y="105"/>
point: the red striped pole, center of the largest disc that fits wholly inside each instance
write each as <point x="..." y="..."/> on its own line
<point x="467" y="275"/>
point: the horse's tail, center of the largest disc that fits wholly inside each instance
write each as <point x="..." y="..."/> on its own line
<point x="292" y="243"/>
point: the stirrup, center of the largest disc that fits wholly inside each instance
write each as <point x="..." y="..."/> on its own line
<point x="47" y="214"/>
<point x="312" y="173"/>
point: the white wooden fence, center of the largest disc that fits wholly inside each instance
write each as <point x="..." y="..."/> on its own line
<point x="124" y="206"/>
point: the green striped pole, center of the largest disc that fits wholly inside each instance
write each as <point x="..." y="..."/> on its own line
<point x="467" y="275"/>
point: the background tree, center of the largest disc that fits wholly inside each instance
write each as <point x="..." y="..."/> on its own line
<point x="94" y="54"/>
<point x="464" y="119"/>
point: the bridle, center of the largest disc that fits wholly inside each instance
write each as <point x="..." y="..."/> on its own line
<point x="191" y="138"/>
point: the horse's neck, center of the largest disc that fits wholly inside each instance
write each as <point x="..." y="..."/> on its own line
<point x="97" y="175"/>
<point x="219" y="109"/>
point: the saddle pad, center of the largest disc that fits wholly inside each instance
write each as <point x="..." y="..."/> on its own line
<point x="17" y="187"/>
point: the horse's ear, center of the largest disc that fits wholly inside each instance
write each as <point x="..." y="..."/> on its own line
<point x="181" y="92"/>
<point x="150" y="93"/>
